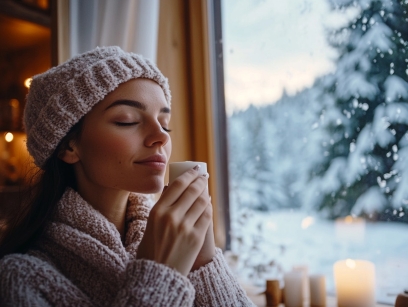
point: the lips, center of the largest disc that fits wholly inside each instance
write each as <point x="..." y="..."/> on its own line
<point x="160" y="159"/>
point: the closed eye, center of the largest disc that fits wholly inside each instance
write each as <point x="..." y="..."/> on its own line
<point x="121" y="124"/>
<point x="125" y="124"/>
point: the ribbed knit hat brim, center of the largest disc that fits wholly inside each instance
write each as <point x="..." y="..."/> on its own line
<point x="60" y="97"/>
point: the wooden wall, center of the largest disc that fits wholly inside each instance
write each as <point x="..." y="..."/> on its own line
<point x="183" y="57"/>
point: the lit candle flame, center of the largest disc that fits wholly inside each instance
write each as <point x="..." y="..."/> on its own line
<point x="348" y="219"/>
<point x="8" y="137"/>
<point x="351" y="263"/>
<point x="27" y="82"/>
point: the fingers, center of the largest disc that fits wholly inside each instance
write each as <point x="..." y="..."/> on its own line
<point x="204" y="220"/>
<point x="174" y="191"/>
<point x="178" y="223"/>
<point x="195" y="192"/>
<point x="199" y="206"/>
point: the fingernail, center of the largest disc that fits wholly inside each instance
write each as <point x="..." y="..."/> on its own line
<point x="197" y="167"/>
<point x="206" y="175"/>
<point x="210" y="198"/>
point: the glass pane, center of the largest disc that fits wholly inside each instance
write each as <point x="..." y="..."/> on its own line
<point x="317" y="104"/>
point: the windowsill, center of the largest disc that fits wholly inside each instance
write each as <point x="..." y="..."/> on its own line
<point x="260" y="300"/>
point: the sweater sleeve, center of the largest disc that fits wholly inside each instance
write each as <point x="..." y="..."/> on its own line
<point x="215" y="285"/>
<point x="28" y="281"/>
<point x="156" y="285"/>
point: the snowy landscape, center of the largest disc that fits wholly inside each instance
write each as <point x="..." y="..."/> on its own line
<point x="336" y="147"/>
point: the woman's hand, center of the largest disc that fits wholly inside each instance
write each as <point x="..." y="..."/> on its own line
<point x="178" y="224"/>
<point x="207" y="252"/>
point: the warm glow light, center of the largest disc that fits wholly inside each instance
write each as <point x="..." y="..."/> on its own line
<point x="43" y="4"/>
<point x="307" y="222"/>
<point x="8" y="137"/>
<point x="27" y="82"/>
<point x="14" y="103"/>
<point x="355" y="283"/>
<point x="348" y="219"/>
<point x="350" y="263"/>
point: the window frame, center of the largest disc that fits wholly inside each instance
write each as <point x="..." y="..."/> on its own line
<point x="220" y="135"/>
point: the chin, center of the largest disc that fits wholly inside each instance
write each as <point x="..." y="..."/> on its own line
<point x="149" y="188"/>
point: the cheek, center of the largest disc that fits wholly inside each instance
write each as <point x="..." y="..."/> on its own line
<point x="108" y="147"/>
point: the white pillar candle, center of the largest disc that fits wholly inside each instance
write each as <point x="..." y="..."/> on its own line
<point x="293" y="289"/>
<point x="178" y="168"/>
<point x="305" y="270"/>
<point x="317" y="284"/>
<point x="355" y="283"/>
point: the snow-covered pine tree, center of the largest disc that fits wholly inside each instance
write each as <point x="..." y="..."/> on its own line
<point x="252" y="176"/>
<point x="366" y="113"/>
<point x="271" y="149"/>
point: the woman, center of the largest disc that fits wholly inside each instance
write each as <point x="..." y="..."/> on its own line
<point x="97" y="125"/>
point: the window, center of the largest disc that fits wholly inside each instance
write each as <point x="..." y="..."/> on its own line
<point x="317" y="111"/>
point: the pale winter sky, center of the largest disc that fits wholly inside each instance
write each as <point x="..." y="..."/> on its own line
<point x="272" y="45"/>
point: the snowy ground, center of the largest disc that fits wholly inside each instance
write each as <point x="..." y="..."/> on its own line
<point x="268" y="244"/>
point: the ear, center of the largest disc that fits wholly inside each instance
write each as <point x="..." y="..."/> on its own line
<point x="69" y="154"/>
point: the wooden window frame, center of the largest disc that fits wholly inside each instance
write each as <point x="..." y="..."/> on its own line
<point x="190" y="55"/>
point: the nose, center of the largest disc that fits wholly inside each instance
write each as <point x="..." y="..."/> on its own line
<point x="156" y="135"/>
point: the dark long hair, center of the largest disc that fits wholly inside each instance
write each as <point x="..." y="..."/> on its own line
<point x="40" y="200"/>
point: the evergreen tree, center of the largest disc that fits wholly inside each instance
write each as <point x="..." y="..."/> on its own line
<point x="253" y="179"/>
<point x="271" y="150"/>
<point x="365" y="113"/>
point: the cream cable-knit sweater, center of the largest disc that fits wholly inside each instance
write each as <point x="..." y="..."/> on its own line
<point x="81" y="261"/>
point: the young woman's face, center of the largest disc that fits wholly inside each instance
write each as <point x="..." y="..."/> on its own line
<point x="124" y="142"/>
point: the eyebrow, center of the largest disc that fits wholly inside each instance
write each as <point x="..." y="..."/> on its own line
<point x="135" y="104"/>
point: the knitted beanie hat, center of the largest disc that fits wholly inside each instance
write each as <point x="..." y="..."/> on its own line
<point x="61" y="96"/>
